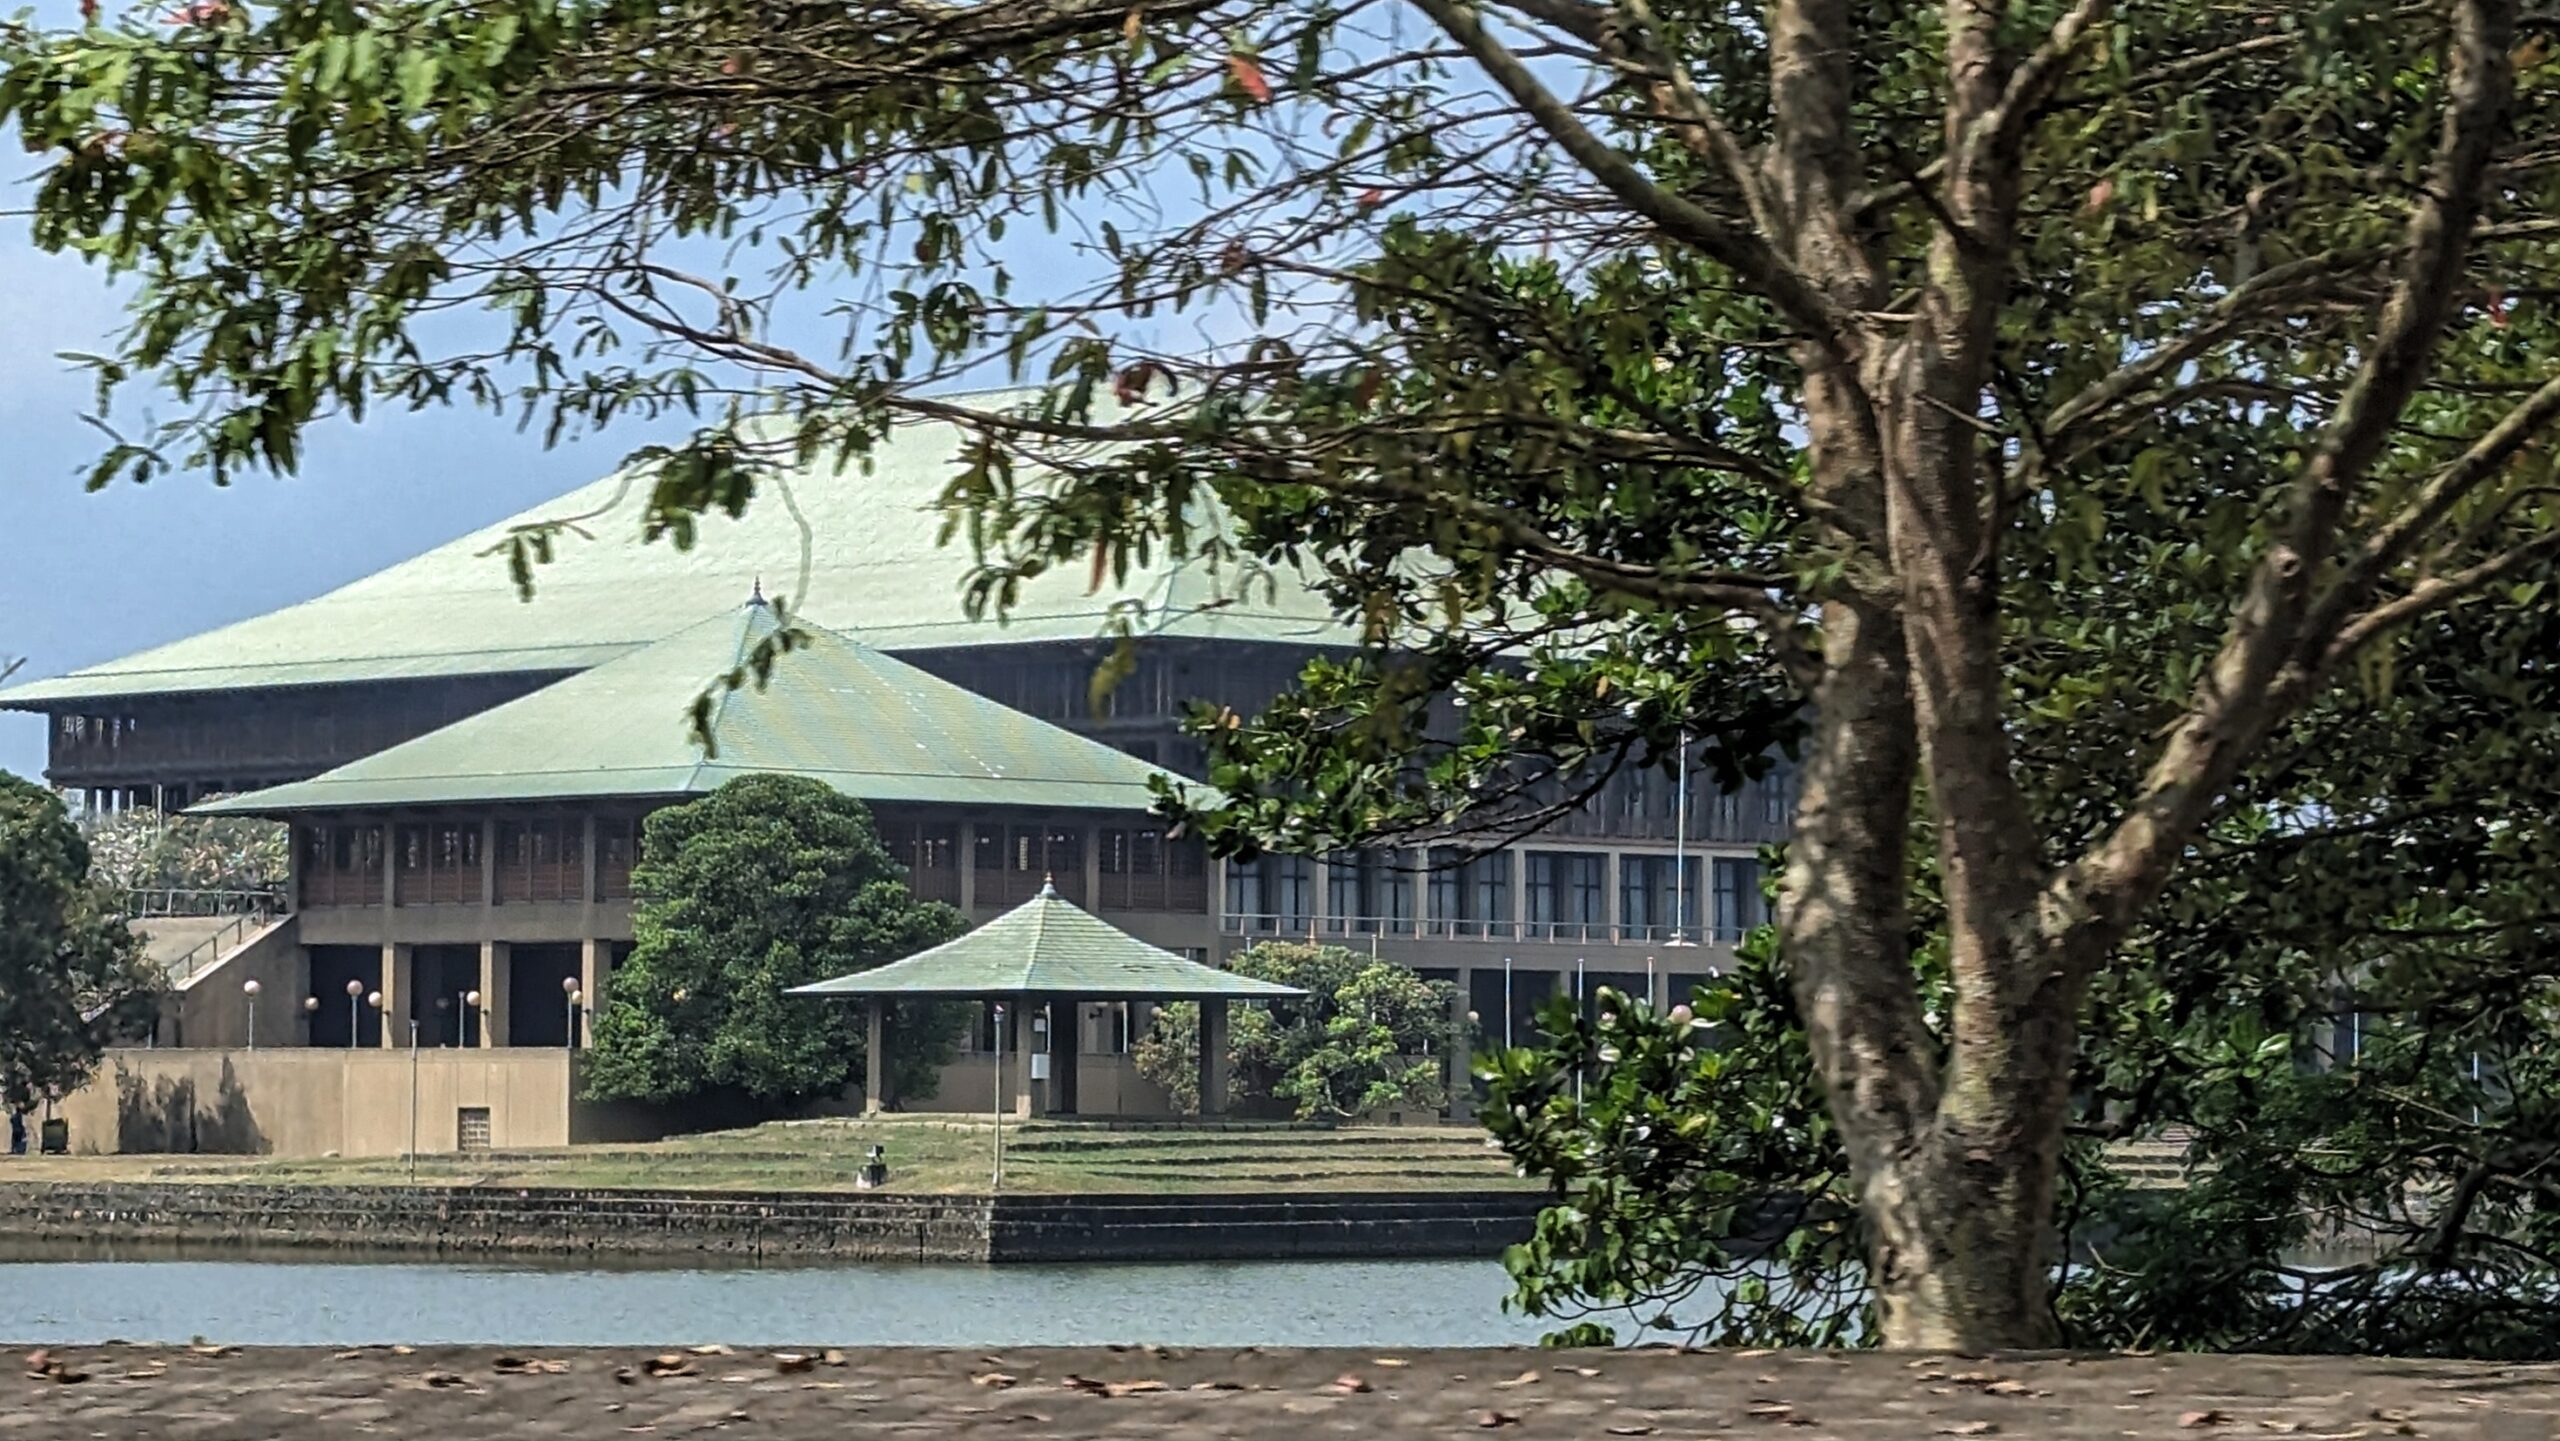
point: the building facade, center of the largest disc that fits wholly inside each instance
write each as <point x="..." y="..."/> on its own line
<point x="465" y="777"/>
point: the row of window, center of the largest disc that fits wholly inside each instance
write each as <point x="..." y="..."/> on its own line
<point x="1140" y="868"/>
<point x="1566" y="896"/>
<point x="444" y="862"/>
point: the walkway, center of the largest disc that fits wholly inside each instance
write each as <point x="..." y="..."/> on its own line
<point x="214" y="1392"/>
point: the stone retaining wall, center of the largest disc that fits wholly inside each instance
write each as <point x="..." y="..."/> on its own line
<point x="778" y="1226"/>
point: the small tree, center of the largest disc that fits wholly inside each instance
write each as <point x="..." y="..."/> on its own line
<point x="767" y="883"/>
<point x="71" y="973"/>
<point x="1370" y="1034"/>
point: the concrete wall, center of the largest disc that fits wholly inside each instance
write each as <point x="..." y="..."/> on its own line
<point x="776" y="1225"/>
<point x="210" y="1009"/>
<point x="302" y="1102"/>
<point x="1105" y="1086"/>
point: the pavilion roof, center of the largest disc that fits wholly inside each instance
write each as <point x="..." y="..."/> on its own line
<point x="834" y="710"/>
<point x="1047" y="946"/>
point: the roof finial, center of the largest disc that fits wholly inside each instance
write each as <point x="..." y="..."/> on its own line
<point x="757" y="600"/>
<point x="1049" y="886"/>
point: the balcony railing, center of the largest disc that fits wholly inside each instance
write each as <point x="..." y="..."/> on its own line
<point x="1356" y="928"/>
<point x="145" y="903"/>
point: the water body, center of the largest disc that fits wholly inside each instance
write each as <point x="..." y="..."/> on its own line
<point x="57" y="1300"/>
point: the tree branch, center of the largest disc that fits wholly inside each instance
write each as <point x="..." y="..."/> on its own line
<point x="2241" y="694"/>
<point x="1763" y="269"/>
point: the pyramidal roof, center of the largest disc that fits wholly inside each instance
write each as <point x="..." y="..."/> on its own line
<point x="1049" y="946"/>
<point x="832" y="709"/>
<point x="870" y="555"/>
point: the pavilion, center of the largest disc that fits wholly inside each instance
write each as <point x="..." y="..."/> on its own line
<point x="1049" y="956"/>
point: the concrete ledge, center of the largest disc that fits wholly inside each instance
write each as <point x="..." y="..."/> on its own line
<point x="528" y="1221"/>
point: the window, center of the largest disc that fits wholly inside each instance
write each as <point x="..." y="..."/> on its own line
<point x="1470" y="898"/>
<point x="1657" y="898"/>
<point x="1368" y="893"/>
<point x="1271" y="895"/>
<point x="1740" y="907"/>
<point x="1567" y="896"/>
<point x="471" y="1128"/>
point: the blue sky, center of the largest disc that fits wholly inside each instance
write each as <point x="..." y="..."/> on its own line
<point x="84" y="578"/>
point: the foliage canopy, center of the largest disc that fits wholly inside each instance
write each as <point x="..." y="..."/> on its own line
<point x="767" y="883"/>
<point x="72" y="976"/>
<point x="1370" y="1035"/>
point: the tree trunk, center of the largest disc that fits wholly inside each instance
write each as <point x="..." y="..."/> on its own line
<point x="1963" y="1247"/>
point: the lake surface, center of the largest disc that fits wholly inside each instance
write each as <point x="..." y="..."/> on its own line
<point x="85" y="1300"/>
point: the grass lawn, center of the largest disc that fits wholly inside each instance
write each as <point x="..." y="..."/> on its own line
<point x="925" y="1153"/>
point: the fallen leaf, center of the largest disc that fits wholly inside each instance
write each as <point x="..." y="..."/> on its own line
<point x="711" y="1348"/>
<point x="1133" y="1388"/>
<point x="1585" y="1371"/>
<point x="624" y="1375"/>
<point x="39" y="1361"/>
<point x="1350" y="1384"/>
<point x="669" y="1364"/>
<point x="991" y="1378"/>
<point x="1525" y="1378"/>
<point x="206" y="1348"/>
<point x="1392" y="1361"/>
<point x="441" y="1380"/>
<point x="404" y="1350"/>
<point x="831" y="1358"/>
<point x="1491" y="1419"/>
<point x="1633" y="1430"/>
<point x="2195" y="1419"/>
<point x="1969" y="1428"/>
<point x="1215" y="1386"/>
<point x="2141" y="1391"/>
<point x="1769" y="1411"/>
<point x="2286" y="1426"/>
<point x="1249" y="78"/>
<point x="791" y="1363"/>
<point x="2009" y="1388"/>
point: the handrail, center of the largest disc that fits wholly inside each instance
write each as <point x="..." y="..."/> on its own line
<point x="155" y="902"/>
<point x="186" y="963"/>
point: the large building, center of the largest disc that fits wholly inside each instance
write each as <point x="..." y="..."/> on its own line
<point x="465" y="771"/>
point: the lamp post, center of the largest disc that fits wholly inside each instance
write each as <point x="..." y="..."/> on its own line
<point x="998" y="1183"/>
<point x="355" y="1011"/>
<point x="249" y="989"/>
<point x="569" y="990"/>
<point x="310" y="1016"/>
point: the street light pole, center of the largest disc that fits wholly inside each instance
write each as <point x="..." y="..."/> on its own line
<point x="569" y="990"/>
<point x="355" y="1012"/>
<point x="249" y="988"/>
<point x="998" y="1183"/>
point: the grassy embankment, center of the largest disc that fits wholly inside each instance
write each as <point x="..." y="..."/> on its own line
<point x="925" y="1154"/>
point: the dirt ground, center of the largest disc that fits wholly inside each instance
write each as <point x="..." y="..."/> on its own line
<point x="215" y="1393"/>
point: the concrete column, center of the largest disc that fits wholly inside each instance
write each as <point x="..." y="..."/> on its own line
<point x="1092" y="871"/>
<point x="595" y="972"/>
<point x="875" y="1056"/>
<point x="390" y="873"/>
<point x="396" y="998"/>
<point x="1462" y="1051"/>
<point x="488" y="863"/>
<point x="1609" y="898"/>
<point x="968" y="863"/>
<point x="1023" y="1009"/>
<point x="1213" y="1057"/>
<point x="1066" y="1019"/>
<point x="497" y="972"/>
<point x="1517" y="866"/>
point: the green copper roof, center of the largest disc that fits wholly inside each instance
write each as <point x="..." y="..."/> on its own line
<point x="1048" y="947"/>
<point x="873" y="565"/>
<point x="837" y="711"/>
